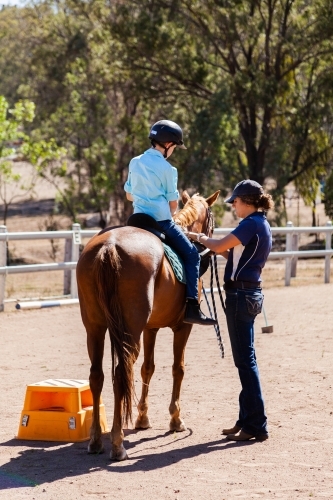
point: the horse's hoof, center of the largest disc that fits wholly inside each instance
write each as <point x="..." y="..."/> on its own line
<point x="142" y="423"/>
<point x="118" y="454"/>
<point x="95" y="448"/>
<point x="178" y="426"/>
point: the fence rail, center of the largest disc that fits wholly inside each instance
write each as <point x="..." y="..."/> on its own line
<point x="73" y="240"/>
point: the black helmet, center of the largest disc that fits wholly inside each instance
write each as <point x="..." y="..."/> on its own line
<point x="167" y="131"/>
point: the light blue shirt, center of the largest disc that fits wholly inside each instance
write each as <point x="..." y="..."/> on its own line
<point x="152" y="181"/>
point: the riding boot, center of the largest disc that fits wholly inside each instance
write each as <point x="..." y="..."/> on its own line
<point x="193" y="314"/>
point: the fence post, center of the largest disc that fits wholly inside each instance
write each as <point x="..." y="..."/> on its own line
<point x="328" y="246"/>
<point x="3" y="263"/>
<point x="67" y="272"/>
<point x="289" y="242"/>
<point x="76" y="241"/>
<point x="294" y="247"/>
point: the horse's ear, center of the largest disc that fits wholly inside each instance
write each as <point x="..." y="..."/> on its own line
<point x="185" y="197"/>
<point x="212" y="198"/>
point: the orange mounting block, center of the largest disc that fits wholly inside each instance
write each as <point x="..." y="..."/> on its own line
<point x="59" y="410"/>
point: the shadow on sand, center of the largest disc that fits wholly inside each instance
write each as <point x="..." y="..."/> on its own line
<point x="48" y="462"/>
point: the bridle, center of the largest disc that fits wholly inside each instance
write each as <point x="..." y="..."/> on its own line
<point x="209" y="224"/>
<point x="208" y="229"/>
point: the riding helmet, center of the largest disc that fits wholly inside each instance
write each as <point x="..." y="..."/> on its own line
<point x="167" y="131"/>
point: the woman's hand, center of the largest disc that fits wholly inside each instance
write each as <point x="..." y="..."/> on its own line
<point x="220" y="247"/>
<point x="194" y="236"/>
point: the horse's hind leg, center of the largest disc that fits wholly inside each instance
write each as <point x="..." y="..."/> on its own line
<point x="118" y="451"/>
<point x="181" y="334"/>
<point x="95" y="343"/>
<point x="147" y="370"/>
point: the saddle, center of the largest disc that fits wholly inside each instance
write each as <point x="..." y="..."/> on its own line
<point x="144" y="221"/>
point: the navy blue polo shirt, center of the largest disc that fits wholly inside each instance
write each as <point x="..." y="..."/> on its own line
<point x="245" y="261"/>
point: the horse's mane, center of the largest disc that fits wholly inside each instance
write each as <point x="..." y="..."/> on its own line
<point x="189" y="214"/>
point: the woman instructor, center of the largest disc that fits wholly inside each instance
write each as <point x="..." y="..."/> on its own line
<point x="246" y="249"/>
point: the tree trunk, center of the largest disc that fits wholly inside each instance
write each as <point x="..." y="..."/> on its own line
<point x="314" y="214"/>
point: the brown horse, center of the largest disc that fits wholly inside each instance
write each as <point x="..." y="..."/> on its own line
<point x="126" y="285"/>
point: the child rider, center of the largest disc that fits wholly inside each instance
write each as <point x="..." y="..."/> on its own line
<point x="152" y="187"/>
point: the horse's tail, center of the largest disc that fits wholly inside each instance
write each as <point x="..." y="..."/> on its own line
<point x="107" y="267"/>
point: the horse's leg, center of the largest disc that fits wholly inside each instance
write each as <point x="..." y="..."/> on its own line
<point x="95" y="343"/>
<point x="147" y="370"/>
<point x="118" y="451"/>
<point x="181" y="334"/>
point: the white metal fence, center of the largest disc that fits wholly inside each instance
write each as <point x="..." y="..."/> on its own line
<point x="74" y="237"/>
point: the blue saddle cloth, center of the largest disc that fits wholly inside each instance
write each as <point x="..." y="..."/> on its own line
<point x="176" y="263"/>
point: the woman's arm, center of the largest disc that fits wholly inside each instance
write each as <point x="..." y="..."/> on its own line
<point x="129" y="196"/>
<point x="218" y="246"/>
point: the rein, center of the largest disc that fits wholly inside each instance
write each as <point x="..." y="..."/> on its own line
<point x="209" y="229"/>
<point x="217" y="326"/>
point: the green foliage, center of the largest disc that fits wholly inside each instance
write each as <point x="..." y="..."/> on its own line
<point x="11" y="136"/>
<point x="212" y="143"/>
<point x="250" y="83"/>
<point x="14" y="142"/>
<point x="271" y="57"/>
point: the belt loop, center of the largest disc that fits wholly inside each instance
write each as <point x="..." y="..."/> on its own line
<point x="242" y="285"/>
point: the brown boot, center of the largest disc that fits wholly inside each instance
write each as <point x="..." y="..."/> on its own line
<point x="244" y="436"/>
<point x="232" y="430"/>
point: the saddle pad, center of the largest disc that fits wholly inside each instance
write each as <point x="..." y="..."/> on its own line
<point x="176" y="263"/>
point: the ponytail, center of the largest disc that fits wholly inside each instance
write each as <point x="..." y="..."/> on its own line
<point x="264" y="201"/>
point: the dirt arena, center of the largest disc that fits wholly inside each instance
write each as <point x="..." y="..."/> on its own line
<point x="296" y="370"/>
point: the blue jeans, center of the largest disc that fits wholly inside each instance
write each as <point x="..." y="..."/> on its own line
<point x="242" y="306"/>
<point x="187" y="251"/>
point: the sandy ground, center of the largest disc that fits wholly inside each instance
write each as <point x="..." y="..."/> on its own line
<point x="296" y="370"/>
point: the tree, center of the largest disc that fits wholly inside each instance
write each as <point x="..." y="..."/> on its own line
<point x="17" y="30"/>
<point x="328" y="196"/>
<point x="271" y="55"/>
<point x="11" y="137"/>
<point x="15" y="142"/>
<point x="250" y="83"/>
<point x="87" y="105"/>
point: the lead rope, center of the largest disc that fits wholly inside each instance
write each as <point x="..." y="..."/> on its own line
<point x="218" y="283"/>
<point x="217" y="326"/>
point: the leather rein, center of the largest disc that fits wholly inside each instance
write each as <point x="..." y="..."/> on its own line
<point x="208" y="229"/>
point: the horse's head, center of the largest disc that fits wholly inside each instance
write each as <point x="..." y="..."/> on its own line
<point x="196" y="215"/>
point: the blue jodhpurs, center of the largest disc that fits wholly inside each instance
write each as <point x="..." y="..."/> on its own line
<point x="242" y="306"/>
<point x="187" y="251"/>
